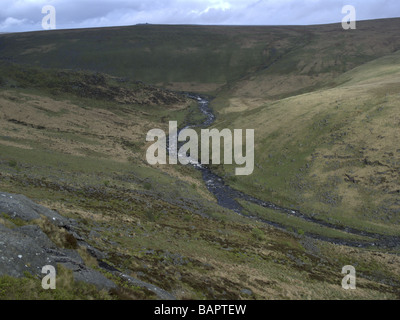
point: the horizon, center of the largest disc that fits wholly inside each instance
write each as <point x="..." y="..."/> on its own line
<point x="26" y="16"/>
<point x="198" y="25"/>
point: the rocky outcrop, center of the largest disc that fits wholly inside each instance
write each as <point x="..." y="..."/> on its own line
<point x="20" y="207"/>
<point x="25" y="247"/>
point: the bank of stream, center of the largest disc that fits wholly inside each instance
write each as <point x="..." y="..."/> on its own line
<point x="229" y="197"/>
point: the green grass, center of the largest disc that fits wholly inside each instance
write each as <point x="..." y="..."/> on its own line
<point x="298" y="225"/>
<point x="30" y="288"/>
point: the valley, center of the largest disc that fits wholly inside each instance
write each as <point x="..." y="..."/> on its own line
<point x="75" y="108"/>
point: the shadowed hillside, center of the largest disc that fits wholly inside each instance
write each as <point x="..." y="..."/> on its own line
<point x="271" y="61"/>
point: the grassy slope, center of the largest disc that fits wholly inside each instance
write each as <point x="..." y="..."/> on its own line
<point x="333" y="152"/>
<point x="82" y="154"/>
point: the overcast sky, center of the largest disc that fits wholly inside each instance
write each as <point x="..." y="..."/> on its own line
<point x="26" y="15"/>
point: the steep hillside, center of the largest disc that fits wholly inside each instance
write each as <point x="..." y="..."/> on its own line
<point x="333" y="153"/>
<point x="270" y="61"/>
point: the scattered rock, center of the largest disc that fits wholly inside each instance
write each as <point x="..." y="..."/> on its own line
<point x="246" y="292"/>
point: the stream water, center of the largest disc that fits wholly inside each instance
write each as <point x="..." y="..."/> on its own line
<point x="228" y="197"/>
